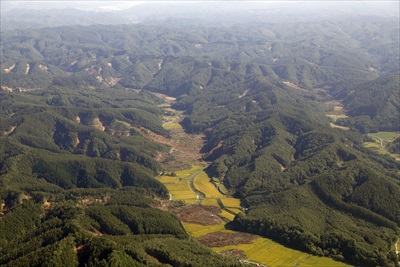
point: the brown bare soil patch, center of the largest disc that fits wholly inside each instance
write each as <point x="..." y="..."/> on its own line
<point x="233" y="253"/>
<point x="198" y="214"/>
<point x="185" y="148"/>
<point x="294" y="86"/>
<point x="220" y="239"/>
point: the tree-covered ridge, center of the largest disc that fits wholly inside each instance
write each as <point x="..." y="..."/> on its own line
<point x="372" y="106"/>
<point x="170" y="59"/>
<point x="98" y="233"/>
<point x="251" y="90"/>
<point x="77" y="183"/>
<point x="273" y="156"/>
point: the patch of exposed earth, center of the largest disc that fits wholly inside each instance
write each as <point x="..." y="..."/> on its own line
<point x="185" y="148"/>
<point x="198" y="214"/>
<point x="221" y="239"/>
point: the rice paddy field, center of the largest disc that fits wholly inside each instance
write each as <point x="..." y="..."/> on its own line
<point x="266" y="251"/>
<point x="261" y="250"/>
<point x="229" y="216"/>
<point x="209" y="202"/>
<point x="187" y="173"/>
<point x="180" y="190"/>
<point x="231" y="202"/>
<point x="168" y="179"/>
<point x="203" y="184"/>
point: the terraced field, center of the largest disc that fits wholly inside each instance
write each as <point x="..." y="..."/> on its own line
<point x="260" y="250"/>
<point x="203" y="184"/>
<point x="269" y="253"/>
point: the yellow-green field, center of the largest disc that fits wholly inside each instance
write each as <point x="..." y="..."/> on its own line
<point x="203" y="184"/>
<point x="339" y="127"/>
<point x="172" y="125"/>
<point x="261" y="250"/>
<point x="231" y="202"/>
<point x="268" y="252"/>
<point x="197" y="230"/>
<point x="168" y="179"/>
<point x="227" y="215"/>
<point x="235" y="210"/>
<point x="209" y="202"/>
<point x="181" y="191"/>
<point x="381" y="140"/>
<point x="186" y="173"/>
<point x="336" y="117"/>
<point x="386" y="135"/>
<point x="376" y="147"/>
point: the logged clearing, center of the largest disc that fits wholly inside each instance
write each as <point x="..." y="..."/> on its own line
<point x="223" y="239"/>
<point x="198" y="214"/>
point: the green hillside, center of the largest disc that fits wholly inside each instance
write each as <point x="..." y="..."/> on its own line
<point x="81" y="108"/>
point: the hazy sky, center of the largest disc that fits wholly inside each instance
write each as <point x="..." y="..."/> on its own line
<point x="85" y="5"/>
<point x="107" y="5"/>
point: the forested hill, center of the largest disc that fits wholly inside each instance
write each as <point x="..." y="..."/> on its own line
<point x="76" y="170"/>
<point x="77" y="182"/>
<point x="177" y="60"/>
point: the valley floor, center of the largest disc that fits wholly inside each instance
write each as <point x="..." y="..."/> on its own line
<point x="205" y="211"/>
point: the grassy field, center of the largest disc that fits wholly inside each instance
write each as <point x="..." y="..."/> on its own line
<point x="376" y="147"/>
<point x="203" y="184"/>
<point x="386" y="135"/>
<point x="172" y="125"/>
<point x="381" y="140"/>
